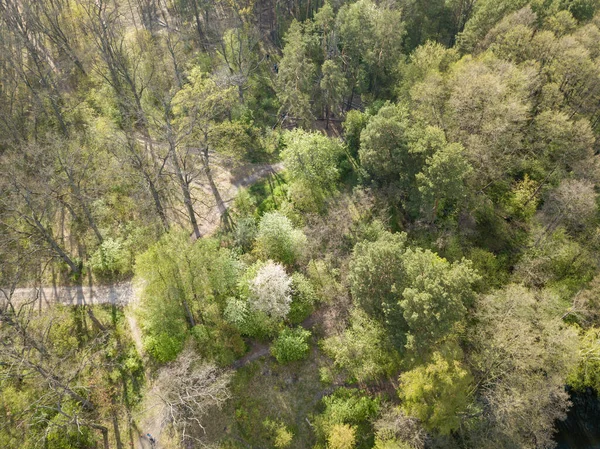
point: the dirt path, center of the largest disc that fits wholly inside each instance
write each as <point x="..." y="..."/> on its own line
<point x="257" y="351"/>
<point x="229" y="180"/>
<point x="125" y="295"/>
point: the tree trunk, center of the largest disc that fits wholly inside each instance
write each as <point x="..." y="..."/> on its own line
<point x="188" y="312"/>
<point x="115" y="422"/>
<point x="201" y="36"/>
<point x="223" y="213"/>
<point x="75" y="268"/>
<point x="181" y="177"/>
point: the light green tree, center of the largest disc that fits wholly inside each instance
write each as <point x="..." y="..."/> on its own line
<point x="435" y="298"/>
<point x="291" y="345"/>
<point x="341" y="436"/>
<point x="522" y="353"/>
<point x="437" y="393"/>
<point x="182" y="285"/>
<point x="277" y="239"/>
<point x="312" y="161"/>
<point x="376" y="277"/>
<point x="363" y="349"/>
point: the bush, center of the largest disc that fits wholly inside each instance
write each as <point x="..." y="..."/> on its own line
<point x="304" y="298"/>
<point x="281" y="436"/>
<point x="341" y="436"/>
<point x="245" y="232"/>
<point x="277" y="239"/>
<point x="349" y="407"/>
<point x="312" y="161"/>
<point x="363" y="349"/>
<point x="248" y="322"/>
<point x="291" y="345"/>
<point x="270" y="290"/>
<point x="111" y="258"/>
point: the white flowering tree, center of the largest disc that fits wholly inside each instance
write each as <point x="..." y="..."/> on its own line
<point x="270" y="290"/>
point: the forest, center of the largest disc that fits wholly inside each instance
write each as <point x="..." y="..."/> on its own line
<point x="286" y="224"/>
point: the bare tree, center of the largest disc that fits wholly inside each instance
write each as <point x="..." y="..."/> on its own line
<point x="187" y="390"/>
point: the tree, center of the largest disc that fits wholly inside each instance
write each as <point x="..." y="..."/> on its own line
<point x="333" y="85"/>
<point x="295" y="77"/>
<point x="383" y="149"/>
<point x="312" y="161"/>
<point x="395" y="430"/>
<point x="572" y="204"/>
<point x="419" y="296"/>
<point x="362" y="349"/>
<point x="182" y="285"/>
<point x="200" y="109"/>
<point x="278" y="239"/>
<point x="53" y="380"/>
<point x="520" y="364"/>
<point x="376" y="274"/>
<point x="270" y="290"/>
<point x="370" y="39"/>
<point x="586" y="374"/>
<point x="441" y="183"/>
<point x="435" y="297"/>
<point x="487" y="111"/>
<point x="485" y="15"/>
<point x="436" y="393"/>
<point x="350" y="408"/>
<point x="341" y="436"/>
<point x="239" y="49"/>
<point x="30" y="203"/>
<point x="188" y="389"/>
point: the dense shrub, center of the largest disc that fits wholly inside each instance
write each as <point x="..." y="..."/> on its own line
<point x="277" y="239"/>
<point x="291" y="345"/>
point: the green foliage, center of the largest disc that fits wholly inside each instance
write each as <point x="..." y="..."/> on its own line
<point x="353" y="126"/>
<point x="182" y="282"/>
<point x="486" y="14"/>
<point x="554" y="259"/>
<point x="376" y="273"/>
<point x="281" y="436"/>
<point x="333" y="86"/>
<point x="391" y="444"/>
<point x="420" y="297"/>
<point x="363" y="349"/>
<point x="370" y="37"/>
<point x="522" y="353"/>
<point x="277" y="239"/>
<point x="383" y="143"/>
<point x="436" y="297"/>
<point x="304" y="299"/>
<point x="245" y="232"/>
<point x="348" y="407"/>
<point x="110" y="258"/>
<point x="341" y="436"/>
<point x="437" y="393"/>
<point x="586" y="374"/>
<point x="441" y="183"/>
<point x="312" y="161"/>
<point x="295" y="77"/>
<point x="291" y="345"/>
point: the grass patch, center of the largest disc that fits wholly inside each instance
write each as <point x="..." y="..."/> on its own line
<point x="265" y="390"/>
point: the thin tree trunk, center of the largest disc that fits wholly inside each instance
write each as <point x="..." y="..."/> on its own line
<point x="115" y="422"/>
<point x="223" y="213"/>
<point x="181" y="177"/>
<point x="56" y="247"/>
